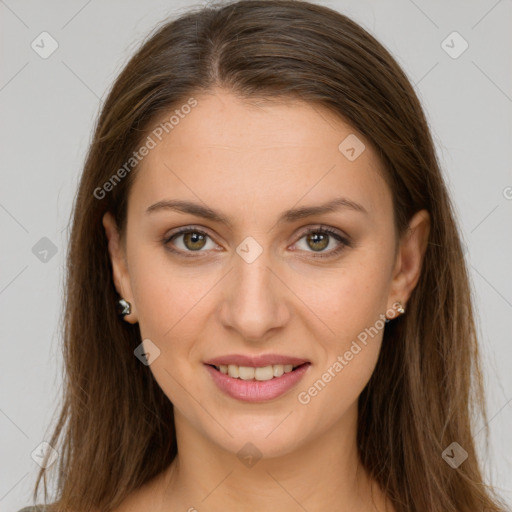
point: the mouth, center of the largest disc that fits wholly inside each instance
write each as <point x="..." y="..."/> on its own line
<point x="256" y="383"/>
<point x="258" y="373"/>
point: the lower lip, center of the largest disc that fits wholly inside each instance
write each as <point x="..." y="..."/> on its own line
<point x="257" y="390"/>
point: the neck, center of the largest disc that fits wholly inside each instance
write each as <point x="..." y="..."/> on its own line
<point x="322" y="472"/>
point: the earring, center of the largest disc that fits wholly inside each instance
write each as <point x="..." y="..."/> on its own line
<point x="123" y="307"/>
<point x="395" y="311"/>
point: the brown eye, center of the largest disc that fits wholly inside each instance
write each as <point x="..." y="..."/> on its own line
<point x="194" y="241"/>
<point x="317" y="241"/>
<point x="187" y="241"/>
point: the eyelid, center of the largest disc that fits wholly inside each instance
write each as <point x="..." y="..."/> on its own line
<point x="341" y="238"/>
<point x="181" y="231"/>
<point x="325" y="229"/>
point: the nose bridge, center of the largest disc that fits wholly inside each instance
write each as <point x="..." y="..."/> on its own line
<point x="253" y="280"/>
<point x="253" y="302"/>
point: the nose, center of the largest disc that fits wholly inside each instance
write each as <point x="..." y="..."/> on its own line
<point x="255" y="302"/>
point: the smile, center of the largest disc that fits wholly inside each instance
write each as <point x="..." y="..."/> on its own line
<point x="258" y="373"/>
<point x="256" y="384"/>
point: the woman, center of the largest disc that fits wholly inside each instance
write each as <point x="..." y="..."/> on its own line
<point x="267" y="302"/>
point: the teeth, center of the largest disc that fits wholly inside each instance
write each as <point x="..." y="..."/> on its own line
<point x="245" y="372"/>
<point x="278" y="370"/>
<point x="265" y="373"/>
<point x="259" y="373"/>
<point x="233" y="371"/>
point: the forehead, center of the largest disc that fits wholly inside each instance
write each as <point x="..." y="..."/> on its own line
<point x="237" y="155"/>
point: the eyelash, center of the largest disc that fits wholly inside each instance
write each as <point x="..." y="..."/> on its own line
<point x="344" y="242"/>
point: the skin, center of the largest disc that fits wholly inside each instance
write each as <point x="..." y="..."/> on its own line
<point x="252" y="161"/>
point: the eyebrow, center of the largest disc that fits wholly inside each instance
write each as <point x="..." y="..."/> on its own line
<point x="287" y="216"/>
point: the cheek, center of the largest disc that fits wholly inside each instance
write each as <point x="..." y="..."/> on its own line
<point x="331" y="395"/>
<point x="173" y="306"/>
<point x="170" y="309"/>
<point x="168" y="297"/>
<point x="341" y="302"/>
<point x="350" y="303"/>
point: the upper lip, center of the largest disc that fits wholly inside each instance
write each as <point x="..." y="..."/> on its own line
<point x="256" y="361"/>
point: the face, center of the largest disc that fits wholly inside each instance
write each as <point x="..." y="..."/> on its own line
<point x="267" y="281"/>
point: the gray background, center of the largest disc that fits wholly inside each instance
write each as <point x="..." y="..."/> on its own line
<point x="47" y="110"/>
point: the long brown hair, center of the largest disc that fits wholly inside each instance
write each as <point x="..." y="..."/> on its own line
<point x="426" y="387"/>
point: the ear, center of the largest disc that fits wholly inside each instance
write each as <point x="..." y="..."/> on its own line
<point x="409" y="260"/>
<point x="120" y="273"/>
